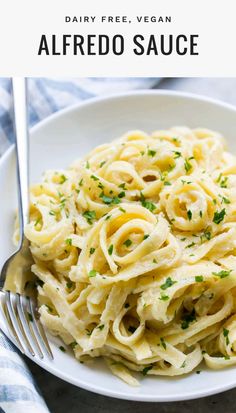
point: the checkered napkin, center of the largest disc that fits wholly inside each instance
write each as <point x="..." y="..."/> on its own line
<point x="18" y="392"/>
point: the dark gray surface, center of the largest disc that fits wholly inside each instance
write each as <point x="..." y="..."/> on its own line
<point x="62" y="397"/>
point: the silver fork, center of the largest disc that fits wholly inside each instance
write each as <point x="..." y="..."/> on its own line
<point x="21" y="311"/>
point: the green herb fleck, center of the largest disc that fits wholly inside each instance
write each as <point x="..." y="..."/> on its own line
<point x="187" y="319"/>
<point x="199" y="278"/>
<point x="190" y="245"/>
<point x="147" y="204"/>
<point x="146" y="369"/>
<point x="226" y="335"/>
<point x="127" y="243"/>
<point x="222" y="273"/>
<point x="164" y="297"/>
<point x="177" y="154"/>
<point x="151" y="152"/>
<point x="89" y="216"/>
<point x="123" y="186"/>
<point x="68" y="241"/>
<point x="189" y="215"/>
<point x="168" y="283"/>
<point x="219" y="216"/>
<point x="110" y="249"/>
<point x="63" y="179"/>
<point x="163" y="343"/>
<point x="92" y="273"/>
<point x="187" y="165"/>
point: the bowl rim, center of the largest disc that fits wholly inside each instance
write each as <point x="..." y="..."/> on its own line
<point x="114" y="96"/>
<point x="51" y="367"/>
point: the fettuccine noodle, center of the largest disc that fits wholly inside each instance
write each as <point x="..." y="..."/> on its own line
<point x="134" y="250"/>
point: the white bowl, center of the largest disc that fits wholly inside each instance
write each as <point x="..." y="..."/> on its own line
<point x="71" y="133"/>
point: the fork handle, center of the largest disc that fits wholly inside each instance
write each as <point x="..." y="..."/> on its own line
<point x="22" y="149"/>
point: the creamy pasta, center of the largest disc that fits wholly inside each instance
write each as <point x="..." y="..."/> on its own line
<point x="134" y="250"/>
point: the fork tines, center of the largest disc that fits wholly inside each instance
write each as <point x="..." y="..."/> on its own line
<point x="24" y="325"/>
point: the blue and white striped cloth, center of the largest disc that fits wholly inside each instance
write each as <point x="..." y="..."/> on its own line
<point x="18" y="392"/>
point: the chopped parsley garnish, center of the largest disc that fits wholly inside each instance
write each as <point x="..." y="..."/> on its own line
<point x="92" y="273"/>
<point x="145" y="236"/>
<point x="38" y="221"/>
<point x="110" y="249"/>
<point x="200" y="214"/>
<point x="122" y="186"/>
<point x="126" y="305"/>
<point x="52" y="212"/>
<point x="146" y="369"/>
<point x="121" y="194"/>
<point x="205" y="236"/>
<point x="225" y="200"/>
<point x="226" y="335"/>
<point x="189" y="215"/>
<point x="127" y="243"/>
<point x="147" y="204"/>
<point x="151" y="152"/>
<point x="167" y="183"/>
<point x="109" y="200"/>
<point x="89" y="216"/>
<point x="164" y="297"/>
<point x="95" y="178"/>
<point x="62" y="349"/>
<point x="100" y="185"/>
<point x="92" y="250"/>
<point x="122" y="209"/>
<point x="219" y="216"/>
<point x="87" y="165"/>
<point x="224" y="182"/>
<point x="163" y="175"/>
<point x="81" y="182"/>
<point x="222" y="273"/>
<point x="163" y="343"/>
<point x="101" y="327"/>
<point x="168" y="283"/>
<point x="102" y="163"/>
<point x="63" y="179"/>
<point x="68" y="241"/>
<point x="177" y="154"/>
<point x="190" y="245"/>
<point x="73" y="344"/>
<point x="199" y="278"/>
<point x="187" y="165"/>
<point x="187" y="319"/>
